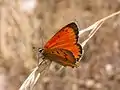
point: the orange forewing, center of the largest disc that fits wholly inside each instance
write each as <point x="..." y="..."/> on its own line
<point x="66" y="38"/>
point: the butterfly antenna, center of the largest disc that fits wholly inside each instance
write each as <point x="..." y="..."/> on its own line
<point x="42" y="43"/>
<point x="92" y="33"/>
<point x="42" y="36"/>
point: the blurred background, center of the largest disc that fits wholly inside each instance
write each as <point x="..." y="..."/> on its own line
<point x="23" y="23"/>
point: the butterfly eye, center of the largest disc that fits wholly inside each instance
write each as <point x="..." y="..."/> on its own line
<point x="40" y="50"/>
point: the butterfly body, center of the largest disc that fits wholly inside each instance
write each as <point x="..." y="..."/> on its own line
<point x="63" y="47"/>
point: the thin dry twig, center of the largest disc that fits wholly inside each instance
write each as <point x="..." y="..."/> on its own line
<point x="30" y="82"/>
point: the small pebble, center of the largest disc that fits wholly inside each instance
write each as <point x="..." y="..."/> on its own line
<point x="109" y="69"/>
<point x="89" y="83"/>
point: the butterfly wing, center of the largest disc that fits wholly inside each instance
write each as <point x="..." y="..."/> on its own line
<point x="66" y="38"/>
<point x="61" y="56"/>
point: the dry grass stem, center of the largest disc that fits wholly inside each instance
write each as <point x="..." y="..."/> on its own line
<point x="32" y="79"/>
<point x="94" y="27"/>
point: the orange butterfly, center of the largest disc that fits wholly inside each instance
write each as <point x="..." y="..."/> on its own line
<point x="63" y="47"/>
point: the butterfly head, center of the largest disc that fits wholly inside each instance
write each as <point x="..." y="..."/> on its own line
<point x="40" y="50"/>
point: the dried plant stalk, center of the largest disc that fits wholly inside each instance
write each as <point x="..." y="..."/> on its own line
<point x="94" y="27"/>
<point x="32" y="79"/>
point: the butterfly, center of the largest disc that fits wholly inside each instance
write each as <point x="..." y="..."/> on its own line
<point x="63" y="47"/>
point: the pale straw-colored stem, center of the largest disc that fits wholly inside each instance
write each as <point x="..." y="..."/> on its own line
<point x="29" y="81"/>
<point x="94" y="27"/>
<point x="97" y="22"/>
<point x="92" y="33"/>
<point x="32" y="79"/>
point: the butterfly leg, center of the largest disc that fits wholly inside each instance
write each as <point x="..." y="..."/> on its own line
<point x="61" y="68"/>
